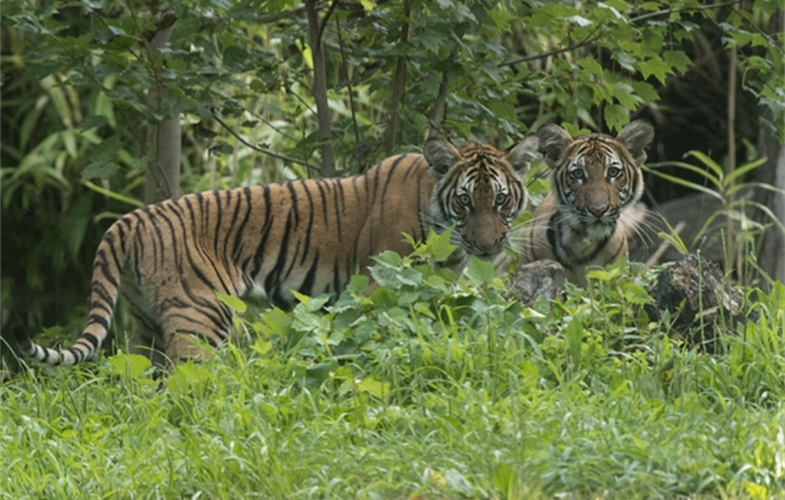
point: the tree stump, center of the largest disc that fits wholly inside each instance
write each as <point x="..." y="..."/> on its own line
<point x="536" y="279"/>
<point x="701" y="301"/>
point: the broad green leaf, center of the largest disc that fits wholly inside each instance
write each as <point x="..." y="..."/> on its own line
<point x="132" y="365"/>
<point x="616" y="116"/>
<point x="677" y="59"/>
<point x="656" y="67"/>
<point x="374" y="387"/>
<point x="388" y="258"/>
<point x="480" y="272"/>
<point x="233" y="302"/>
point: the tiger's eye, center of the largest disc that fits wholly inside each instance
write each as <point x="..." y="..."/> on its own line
<point x="577" y="174"/>
<point x="501" y="199"/>
<point x="465" y="199"/>
<point x="613" y="171"/>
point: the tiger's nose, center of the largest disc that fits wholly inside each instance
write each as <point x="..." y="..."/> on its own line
<point x="598" y="210"/>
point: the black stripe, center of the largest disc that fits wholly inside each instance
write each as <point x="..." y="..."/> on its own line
<point x="337" y="288"/>
<point x="219" y="216"/>
<point x="294" y="209"/>
<point x="307" y="286"/>
<point x="338" y="196"/>
<point x="307" y="247"/>
<point x="323" y="197"/>
<point x="89" y="337"/>
<point x="268" y="221"/>
<point x="390" y="174"/>
<point x="238" y="239"/>
<point x="94" y="318"/>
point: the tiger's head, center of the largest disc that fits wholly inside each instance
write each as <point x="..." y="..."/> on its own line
<point x="479" y="191"/>
<point x="595" y="177"/>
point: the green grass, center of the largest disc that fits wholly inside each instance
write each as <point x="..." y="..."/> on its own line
<point x="427" y="389"/>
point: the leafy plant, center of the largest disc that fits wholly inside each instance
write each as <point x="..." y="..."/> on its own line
<point x="740" y="228"/>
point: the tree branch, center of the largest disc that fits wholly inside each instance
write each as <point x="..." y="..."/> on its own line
<point x="441" y="103"/>
<point x="591" y="39"/>
<point x="361" y="161"/>
<point x="264" y="150"/>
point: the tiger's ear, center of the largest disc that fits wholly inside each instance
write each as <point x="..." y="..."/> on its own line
<point x="521" y="156"/>
<point x="553" y="142"/>
<point x="440" y="154"/>
<point x="635" y="136"/>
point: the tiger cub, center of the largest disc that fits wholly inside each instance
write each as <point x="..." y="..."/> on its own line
<point x="309" y="235"/>
<point x="596" y="181"/>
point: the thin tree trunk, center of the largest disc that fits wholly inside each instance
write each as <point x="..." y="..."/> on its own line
<point x="320" y="86"/>
<point x="440" y="106"/>
<point x="771" y="252"/>
<point x="399" y="84"/>
<point x="162" y="178"/>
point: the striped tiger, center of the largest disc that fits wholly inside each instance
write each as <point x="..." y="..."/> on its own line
<point x="596" y="182"/>
<point x="309" y="235"/>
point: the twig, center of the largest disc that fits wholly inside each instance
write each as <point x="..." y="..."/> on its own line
<point x="655" y="257"/>
<point x="265" y="150"/>
<point x="351" y="95"/>
<point x="590" y="39"/>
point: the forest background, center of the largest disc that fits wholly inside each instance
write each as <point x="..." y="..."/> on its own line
<point x="432" y="387"/>
<point x="213" y="94"/>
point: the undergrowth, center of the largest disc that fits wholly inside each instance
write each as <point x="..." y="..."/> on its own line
<point x="430" y="387"/>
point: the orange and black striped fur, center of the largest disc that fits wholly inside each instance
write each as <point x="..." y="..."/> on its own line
<point x="596" y="181"/>
<point x="310" y="236"/>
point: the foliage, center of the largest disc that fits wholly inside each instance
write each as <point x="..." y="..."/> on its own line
<point x="78" y="81"/>
<point x="428" y="388"/>
<point x="741" y="230"/>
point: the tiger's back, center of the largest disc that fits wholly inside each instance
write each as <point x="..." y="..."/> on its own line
<point x="310" y="236"/>
<point x="591" y="209"/>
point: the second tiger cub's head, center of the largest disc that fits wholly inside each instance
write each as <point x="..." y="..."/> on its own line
<point x="596" y="176"/>
<point x="479" y="191"/>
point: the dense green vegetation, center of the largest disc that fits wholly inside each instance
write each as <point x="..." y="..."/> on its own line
<point x="430" y="388"/>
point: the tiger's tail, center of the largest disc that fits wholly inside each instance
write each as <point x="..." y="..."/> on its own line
<point x="107" y="268"/>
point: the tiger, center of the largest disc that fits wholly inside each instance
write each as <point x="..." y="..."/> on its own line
<point x="308" y="236"/>
<point x="596" y="184"/>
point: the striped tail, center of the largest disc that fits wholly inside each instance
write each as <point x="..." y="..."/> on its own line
<point x="107" y="267"/>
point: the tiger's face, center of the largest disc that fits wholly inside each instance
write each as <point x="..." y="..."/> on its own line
<point x="596" y="177"/>
<point x="479" y="191"/>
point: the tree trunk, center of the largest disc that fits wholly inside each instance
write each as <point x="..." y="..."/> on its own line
<point x="162" y="178"/>
<point x="771" y="253"/>
<point x="320" y="87"/>
<point x="399" y="83"/>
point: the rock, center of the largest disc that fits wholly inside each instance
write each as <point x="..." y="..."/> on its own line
<point x="536" y="279"/>
<point x="710" y="304"/>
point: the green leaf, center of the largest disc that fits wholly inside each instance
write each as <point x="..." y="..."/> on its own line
<point x="262" y="346"/>
<point x="574" y="336"/>
<point x="624" y="94"/>
<point x="616" y="116"/>
<point x="131" y="365"/>
<point x="92" y="122"/>
<point x="358" y="284"/>
<point x="480" y="272"/>
<point x="374" y="387"/>
<point x="654" y="67"/>
<point x="233" y="302"/>
<point x="388" y="258"/>
<point x="677" y="59"/>
<point x="646" y="91"/>
<point x="99" y="170"/>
